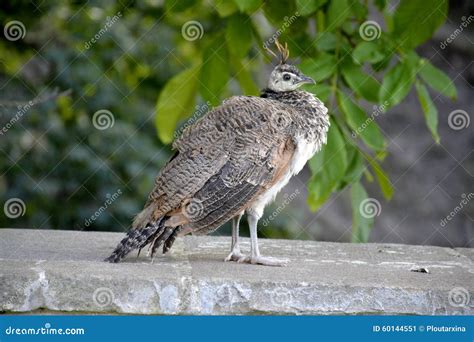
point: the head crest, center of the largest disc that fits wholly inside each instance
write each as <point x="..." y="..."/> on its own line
<point x="283" y="52"/>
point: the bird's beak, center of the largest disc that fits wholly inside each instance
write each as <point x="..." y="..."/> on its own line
<point x="305" y="79"/>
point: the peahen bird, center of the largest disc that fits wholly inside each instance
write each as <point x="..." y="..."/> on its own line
<point x="232" y="161"/>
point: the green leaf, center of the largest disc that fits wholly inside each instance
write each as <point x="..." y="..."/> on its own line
<point x="248" y="6"/>
<point x="437" y="79"/>
<point x="363" y="126"/>
<point x="338" y="12"/>
<point x="328" y="167"/>
<point x="364" y="85"/>
<point x="367" y="52"/>
<point x="325" y="41"/>
<point x="361" y="224"/>
<point x="244" y="77"/>
<point x="176" y="101"/>
<point x="225" y="7"/>
<point x="277" y="12"/>
<point x="321" y="91"/>
<point x="382" y="178"/>
<point x="215" y="71"/>
<point x="415" y="21"/>
<point x="239" y="35"/>
<point x="307" y="7"/>
<point x="380" y="4"/>
<point x="356" y="166"/>
<point x="178" y="5"/>
<point x="429" y="110"/>
<point x="396" y="84"/>
<point x="320" y="67"/>
<point x="359" y="9"/>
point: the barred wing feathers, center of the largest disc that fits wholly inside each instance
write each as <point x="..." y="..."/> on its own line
<point x="224" y="161"/>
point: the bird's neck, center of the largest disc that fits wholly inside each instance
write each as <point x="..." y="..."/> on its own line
<point x="313" y="121"/>
<point x="299" y="99"/>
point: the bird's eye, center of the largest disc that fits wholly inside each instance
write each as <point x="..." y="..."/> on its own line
<point x="286" y="77"/>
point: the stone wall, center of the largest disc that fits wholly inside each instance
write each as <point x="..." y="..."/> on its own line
<point x="63" y="271"/>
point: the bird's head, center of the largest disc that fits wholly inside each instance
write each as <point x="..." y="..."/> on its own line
<point x="286" y="77"/>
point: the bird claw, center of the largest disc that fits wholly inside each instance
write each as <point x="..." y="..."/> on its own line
<point x="234" y="255"/>
<point x="266" y="261"/>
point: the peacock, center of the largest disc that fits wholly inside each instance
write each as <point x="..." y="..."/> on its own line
<point x="234" y="160"/>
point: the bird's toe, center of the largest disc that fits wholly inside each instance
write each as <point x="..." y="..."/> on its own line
<point x="234" y="256"/>
<point x="268" y="261"/>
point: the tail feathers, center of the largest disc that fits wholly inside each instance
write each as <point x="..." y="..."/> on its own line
<point x="136" y="238"/>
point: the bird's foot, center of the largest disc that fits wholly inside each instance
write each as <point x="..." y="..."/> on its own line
<point x="235" y="255"/>
<point x="266" y="261"/>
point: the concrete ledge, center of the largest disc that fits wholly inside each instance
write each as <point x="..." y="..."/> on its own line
<point x="63" y="271"/>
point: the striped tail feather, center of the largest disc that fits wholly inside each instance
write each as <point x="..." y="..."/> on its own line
<point x="136" y="239"/>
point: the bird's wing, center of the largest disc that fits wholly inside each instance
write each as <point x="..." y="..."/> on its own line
<point x="254" y="136"/>
<point x="224" y="160"/>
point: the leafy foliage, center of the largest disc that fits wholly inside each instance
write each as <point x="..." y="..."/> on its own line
<point x="144" y="67"/>
<point x="350" y="66"/>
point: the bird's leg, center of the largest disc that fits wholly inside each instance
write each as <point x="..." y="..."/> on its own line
<point x="235" y="254"/>
<point x="255" y="257"/>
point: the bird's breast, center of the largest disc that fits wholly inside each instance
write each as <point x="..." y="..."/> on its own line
<point x="303" y="152"/>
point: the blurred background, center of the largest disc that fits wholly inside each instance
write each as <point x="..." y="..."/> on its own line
<point x="88" y="111"/>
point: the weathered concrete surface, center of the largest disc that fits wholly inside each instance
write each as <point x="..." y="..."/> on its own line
<point x="63" y="271"/>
